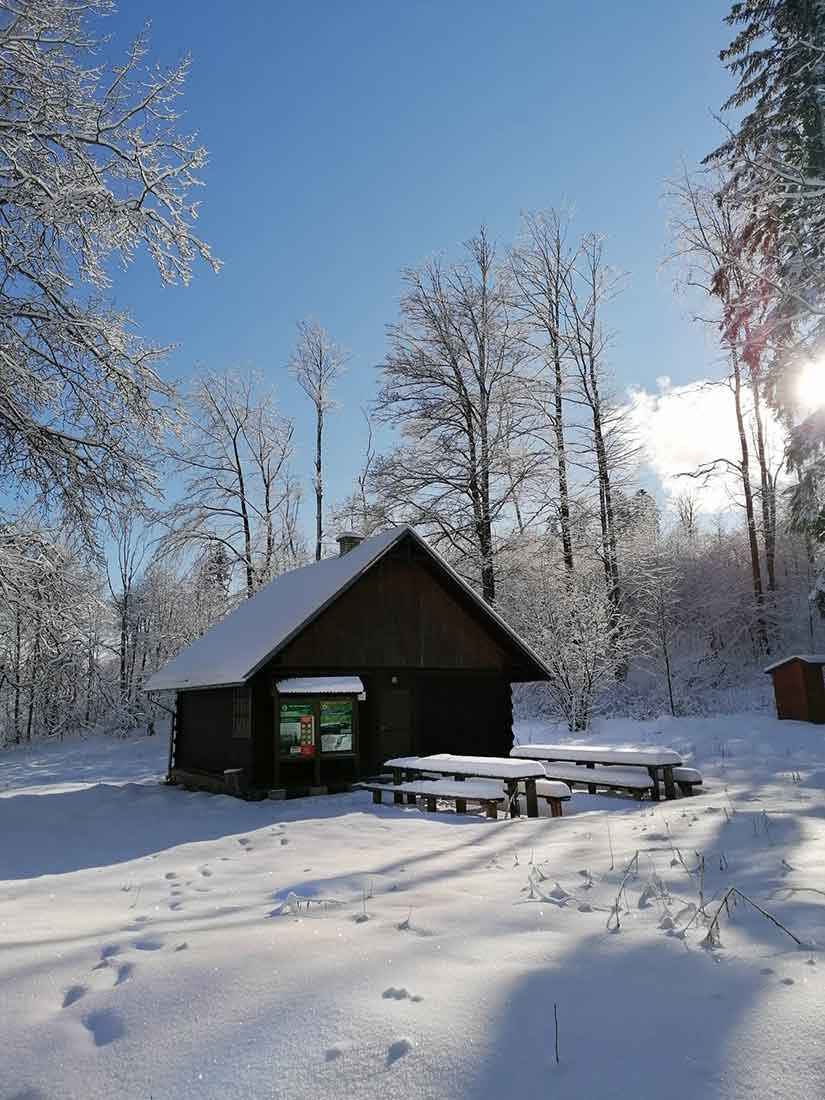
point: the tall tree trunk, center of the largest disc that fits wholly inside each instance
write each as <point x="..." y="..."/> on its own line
<point x="18" y="672"/>
<point x="561" y="459"/>
<point x="319" y="483"/>
<point x="753" y="544"/>
<point x="124" y="622"/>
<point x="767" y="488"/>
<point x="247" y="529"/>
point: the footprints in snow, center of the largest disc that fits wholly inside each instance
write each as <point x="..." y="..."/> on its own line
<point x="395" y="1051"/>
<point x="105" y="1025"/>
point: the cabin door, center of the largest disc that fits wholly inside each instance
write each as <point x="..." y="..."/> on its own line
<point x="394" y="723"/>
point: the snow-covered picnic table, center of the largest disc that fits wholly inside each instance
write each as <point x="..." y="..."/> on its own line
<point x="659" y="762"/>
<point x="508" y="770"/>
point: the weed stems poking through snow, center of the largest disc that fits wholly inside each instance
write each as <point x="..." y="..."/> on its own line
<point x="712" y="938"/>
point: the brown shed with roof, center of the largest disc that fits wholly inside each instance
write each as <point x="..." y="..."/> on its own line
<point x="798" y="687"/>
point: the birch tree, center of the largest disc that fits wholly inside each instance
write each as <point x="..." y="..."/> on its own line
<point x="316" y="363"/>
<point x="93" y="169"/>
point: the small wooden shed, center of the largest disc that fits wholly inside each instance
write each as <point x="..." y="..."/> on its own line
<point x="798" y="687"/>
<point x="335" y="667"/>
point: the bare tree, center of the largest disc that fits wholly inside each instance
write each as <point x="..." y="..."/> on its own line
<point x="239" y="490"/>
<point x="452" y="385"/>
<point x="706" y="237"/>
<point x="92" y="169"/>
<point x="316" y="363"/>
<point x="541" y="264"/>
<point x="130" y="546"/>
<point x="588" y="284"/>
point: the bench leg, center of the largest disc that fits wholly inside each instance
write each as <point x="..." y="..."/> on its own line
<point x="410" y="798"/>
<point x="492" y="810"/>
<point x="512" y="794"/>
<point x="431" y="803"/>
<point x="461" y="805"/>
<point x="376" y="798"/>
<point x="591" y="787"/>
<point x="670" y="786"/>
<point x="686" y="788"/>
<point x="555" y="807"/>
<point x="654" y="790"/>
<point x="532" y="800"/>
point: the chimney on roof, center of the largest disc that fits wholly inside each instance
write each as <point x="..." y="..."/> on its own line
<point x="347" y="541"/>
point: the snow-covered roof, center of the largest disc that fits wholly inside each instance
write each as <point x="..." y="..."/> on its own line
<point x="806" y="658"/>
<point x="320" y="685"/>
<point x="236" y="647"/>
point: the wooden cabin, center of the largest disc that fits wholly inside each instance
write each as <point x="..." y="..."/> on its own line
<point x="798" y="687"/>
<point x="335" y="667"/>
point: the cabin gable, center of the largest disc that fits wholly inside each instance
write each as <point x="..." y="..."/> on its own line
<point x="402" y="614"/>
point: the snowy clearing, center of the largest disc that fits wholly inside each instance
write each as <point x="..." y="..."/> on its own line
<point x="165" y="944"/>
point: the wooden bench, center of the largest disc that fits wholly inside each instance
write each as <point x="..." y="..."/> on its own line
<point x="686" y="779"/>
<point x="591" y="777"/>
<point x="658" y="762"/>
<point x="500" y="768"/>
<point x="553" y="792"/>
<point x="488" y="795"/>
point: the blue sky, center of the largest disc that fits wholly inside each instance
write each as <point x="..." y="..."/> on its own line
<point x="349" y="140"/>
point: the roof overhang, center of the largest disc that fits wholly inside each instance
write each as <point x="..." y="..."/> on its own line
<point x="320" y="685"/>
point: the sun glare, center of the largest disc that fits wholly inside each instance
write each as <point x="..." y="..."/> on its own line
<point x="810" y="385"/>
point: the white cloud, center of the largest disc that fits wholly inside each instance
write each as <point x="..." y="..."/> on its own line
<point x="680" y="428"/>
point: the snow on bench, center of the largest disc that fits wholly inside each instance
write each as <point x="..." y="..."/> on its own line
<point x="623" y="779"/>
<point x="599" y="754"/>
<point x="686" y="779"/>
<point x="497" y="767"/>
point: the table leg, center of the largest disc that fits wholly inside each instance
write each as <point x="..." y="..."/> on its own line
<point x="670" y="786"/>
<point x="512" y="795"/>
<point x="591" y="787"/>
<point x="532" y="800"/>
<point x="654" y="775"/>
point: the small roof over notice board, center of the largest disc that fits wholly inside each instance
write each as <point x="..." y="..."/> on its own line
<point x="320" y="685"/>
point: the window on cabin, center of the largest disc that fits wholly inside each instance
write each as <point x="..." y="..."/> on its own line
<point x="336" y="725"/>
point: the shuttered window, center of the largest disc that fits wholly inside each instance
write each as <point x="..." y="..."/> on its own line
<point x="242" y="716"/>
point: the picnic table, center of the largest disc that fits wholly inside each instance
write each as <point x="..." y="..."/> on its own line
<point x="659" y="762"/>
<point x="505" y="768"/>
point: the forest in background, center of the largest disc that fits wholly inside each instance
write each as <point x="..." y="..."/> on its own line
<point x="136" y="515"/>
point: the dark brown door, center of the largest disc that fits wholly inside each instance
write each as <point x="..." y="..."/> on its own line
<point x="394" y="723"/>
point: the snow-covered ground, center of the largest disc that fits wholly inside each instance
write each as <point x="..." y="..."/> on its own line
<point x="156" y="943"/>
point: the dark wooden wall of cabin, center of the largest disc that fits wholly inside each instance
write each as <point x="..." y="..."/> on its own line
<point x="468" y="715"/>
<point x="205" y="738"/>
